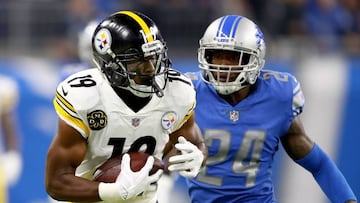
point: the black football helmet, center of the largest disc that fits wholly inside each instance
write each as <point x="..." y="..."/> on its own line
<point x="127" y="37"/>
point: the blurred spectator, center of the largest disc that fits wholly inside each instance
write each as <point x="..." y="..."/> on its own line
<point x="49" y="28"/>
<point x="181" y="21"/>
<point x="327" y="21"/>
<point x="77" y="14"/>
<point x="84" y="49"/>
<point x="352" y="36"/>
<point x="280" y="19"/>
<point x="10" y="157"/>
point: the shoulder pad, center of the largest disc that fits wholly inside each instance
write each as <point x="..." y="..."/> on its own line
<point x="192" y="75"/>
<point x="81" y="90"/>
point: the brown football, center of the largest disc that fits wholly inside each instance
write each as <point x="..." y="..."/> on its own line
<point x="110" y="169"/>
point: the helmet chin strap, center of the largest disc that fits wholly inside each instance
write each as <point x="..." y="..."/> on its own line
<point x="159" y="92"/>
<point x="144" y="90"/>
<point x="227" y="90"/>
<point x="138" y="90"/>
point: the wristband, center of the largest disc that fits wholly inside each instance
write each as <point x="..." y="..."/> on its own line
<point x="111" y="192"/>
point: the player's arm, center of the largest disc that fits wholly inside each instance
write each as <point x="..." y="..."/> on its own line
<point x="10" y="160"/>
<point x="310" y="156"/>
<point x="65" y="153"/>
<point x="10" y="130"/>
<point x="192" y="150"/>
<point x="191" y="132"/>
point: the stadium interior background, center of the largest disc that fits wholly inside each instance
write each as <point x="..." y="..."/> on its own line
<point x="317" y="40"/>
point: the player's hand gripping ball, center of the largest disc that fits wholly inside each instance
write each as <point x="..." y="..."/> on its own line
<point x="110" y="169"/>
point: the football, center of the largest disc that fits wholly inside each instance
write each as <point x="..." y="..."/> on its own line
<point x="110" y="169"/>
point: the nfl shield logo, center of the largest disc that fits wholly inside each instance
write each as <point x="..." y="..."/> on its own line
<point x="234" y="115"/>
<point x="135" y="122"/>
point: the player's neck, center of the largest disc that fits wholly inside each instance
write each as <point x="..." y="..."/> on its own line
<point x="237" y="96"/>
<point x="134" y="102"/>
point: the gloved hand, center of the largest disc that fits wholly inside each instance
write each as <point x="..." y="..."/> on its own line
<point x="11" y="163"/>
<point x="130" y="184"/>
<point x="188" y="163"/>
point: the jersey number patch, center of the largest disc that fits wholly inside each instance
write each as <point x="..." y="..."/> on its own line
<point x="84" y="81"/>
<point x="118" y="144"/>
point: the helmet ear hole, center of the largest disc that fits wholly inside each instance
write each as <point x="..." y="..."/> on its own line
<point x="242" y="80"/>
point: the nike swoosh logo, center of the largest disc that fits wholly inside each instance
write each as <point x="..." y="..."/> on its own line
<point x="65" y="93"/>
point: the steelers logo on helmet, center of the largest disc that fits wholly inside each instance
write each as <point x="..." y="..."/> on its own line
<point x="102" y="41"/>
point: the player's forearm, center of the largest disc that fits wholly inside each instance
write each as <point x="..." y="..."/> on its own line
<point x="10" y="131"/>
<point x="73" y="189"/>
<point x="201" y="145"/>
<point x="328" y="176"/>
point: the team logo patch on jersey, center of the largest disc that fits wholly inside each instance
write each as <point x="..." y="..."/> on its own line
<point x="234" y="115"/>
<point x="97" y="120"/>
<point x="102" y="41"/>
<point x="168" y="119"/>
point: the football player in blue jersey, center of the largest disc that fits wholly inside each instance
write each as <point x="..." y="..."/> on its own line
<point x="84" y="51"/>
<point x="244" y="112"/>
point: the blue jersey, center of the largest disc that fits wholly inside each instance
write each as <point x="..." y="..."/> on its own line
<point x="242" y="139"/>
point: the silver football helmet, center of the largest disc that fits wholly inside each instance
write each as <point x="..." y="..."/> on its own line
<point x="84" y="42"/>
<point x="235" y="34"/>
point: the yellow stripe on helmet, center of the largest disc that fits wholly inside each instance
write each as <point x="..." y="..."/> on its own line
<point x="141" y="22"/>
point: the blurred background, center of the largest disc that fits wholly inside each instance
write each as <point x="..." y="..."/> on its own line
<point x="316" y="40"/>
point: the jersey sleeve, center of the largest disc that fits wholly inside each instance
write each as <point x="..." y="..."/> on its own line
<point x="185" y="96"/>
<point x="9" y="94"/>
<point x="189" y="113"/>
<point x="73" y="97"/>
<point x="68" y="113"/>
